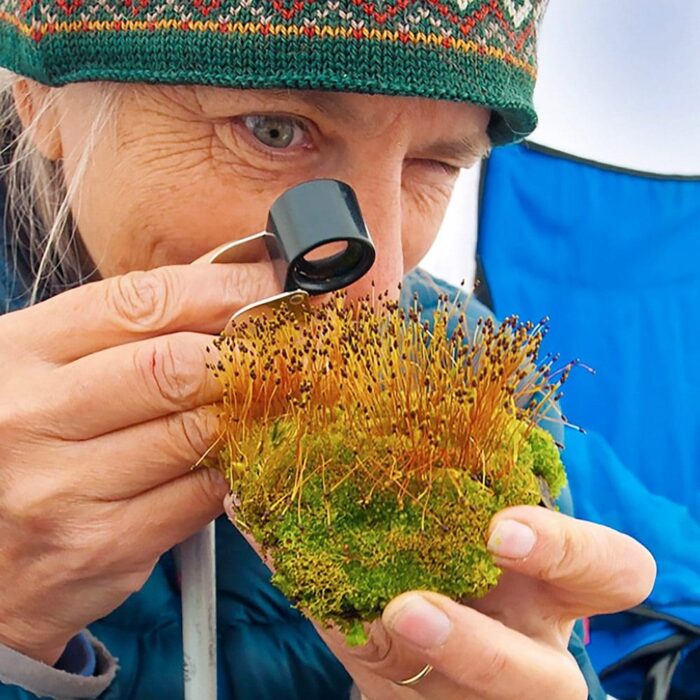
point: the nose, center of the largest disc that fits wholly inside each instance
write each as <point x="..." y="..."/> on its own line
<point x="379" y="196"/>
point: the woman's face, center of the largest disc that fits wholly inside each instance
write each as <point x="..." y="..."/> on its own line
<point x="181" y="170"/>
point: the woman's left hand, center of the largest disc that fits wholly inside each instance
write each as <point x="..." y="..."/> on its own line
<point x="513" y="642"/>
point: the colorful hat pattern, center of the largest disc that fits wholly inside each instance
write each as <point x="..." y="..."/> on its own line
<point x="479" y="51"/>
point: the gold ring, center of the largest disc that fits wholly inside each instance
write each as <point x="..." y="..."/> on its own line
<point x="417" y="678"/>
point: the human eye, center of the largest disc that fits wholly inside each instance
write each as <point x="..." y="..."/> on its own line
<point x="444" y="168"/>
<point x="428" y="167"/>
<point x="276" y="132"/>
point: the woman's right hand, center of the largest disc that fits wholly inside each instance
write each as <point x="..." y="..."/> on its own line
<point x="103" y="412"/>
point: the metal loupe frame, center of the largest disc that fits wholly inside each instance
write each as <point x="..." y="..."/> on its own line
<point x="302" y="220"/>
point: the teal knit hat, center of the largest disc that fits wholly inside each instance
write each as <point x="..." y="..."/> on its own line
<point x="478" y="51"/>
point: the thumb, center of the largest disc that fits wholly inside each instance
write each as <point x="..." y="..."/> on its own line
<point x="231" y="504"/>
<point x="592" y="568"/>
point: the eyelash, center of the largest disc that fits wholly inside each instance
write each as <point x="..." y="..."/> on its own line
<point x="439" y="166"/>
<point x="447" y="168"/>
<point x="273" y="153"/>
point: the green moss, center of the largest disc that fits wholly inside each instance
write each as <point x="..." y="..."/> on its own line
<point x="342" y="554"/>
<point x="369" y="450"/>
<point x="356" y="636"/>
<point x="546" y="460"/>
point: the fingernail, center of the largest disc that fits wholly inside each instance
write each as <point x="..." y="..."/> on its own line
<point x="419" y="622"/>
<point x="511" y="539"/>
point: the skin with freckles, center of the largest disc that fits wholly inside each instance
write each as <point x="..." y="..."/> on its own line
<point x="94" y="374"/>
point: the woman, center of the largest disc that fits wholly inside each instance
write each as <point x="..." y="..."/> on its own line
<point x="194" y="120"/>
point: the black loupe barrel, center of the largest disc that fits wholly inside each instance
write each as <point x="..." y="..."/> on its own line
<point x="322" y="236"/>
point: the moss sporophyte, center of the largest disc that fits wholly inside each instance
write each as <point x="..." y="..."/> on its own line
<point x="368" y="448"/>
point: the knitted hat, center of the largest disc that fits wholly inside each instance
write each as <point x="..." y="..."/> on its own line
<point x="478" y="51"/>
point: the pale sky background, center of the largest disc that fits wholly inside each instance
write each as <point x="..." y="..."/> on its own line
<point x="619" y="82"/>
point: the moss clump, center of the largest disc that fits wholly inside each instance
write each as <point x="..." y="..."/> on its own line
<point x="546" y="460"/>
<point x="369" y="450"/>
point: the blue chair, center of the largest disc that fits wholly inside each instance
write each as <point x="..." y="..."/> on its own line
<point x="613" y="258"/>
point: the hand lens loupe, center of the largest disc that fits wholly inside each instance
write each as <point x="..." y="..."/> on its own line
<point x="316" y="240"/>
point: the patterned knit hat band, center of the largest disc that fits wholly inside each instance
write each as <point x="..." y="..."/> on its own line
<point x="478" y="51"/>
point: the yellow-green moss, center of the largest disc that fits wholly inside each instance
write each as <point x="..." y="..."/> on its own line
<point x="341" y="555"/>
<point x="369" y="451"/>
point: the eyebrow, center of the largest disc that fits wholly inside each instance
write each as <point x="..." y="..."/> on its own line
<point x="325" y="103"/>
<point x="467" y="148"/>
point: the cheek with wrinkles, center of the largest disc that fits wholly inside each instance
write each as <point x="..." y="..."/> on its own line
<point x="228" y="155"/>
<point x="423" y="211"/>
<point x="167" y="151"/>
<point x="231" y="152"/>
<point x="175" y="202"/>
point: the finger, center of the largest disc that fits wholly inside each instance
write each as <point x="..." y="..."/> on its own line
<point x="472" y="655"/>
<point x="528" y="606"/>
<point x="375" y="665"/>
<point x="129" y="462"/>
<point x="230" y="508"/>
<point x="471" y="651"/>
<point x="168" y="514"/>
<point x="138" y="305"/>
<point x="131" y="384"/>
<point x="592" y="568"/>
